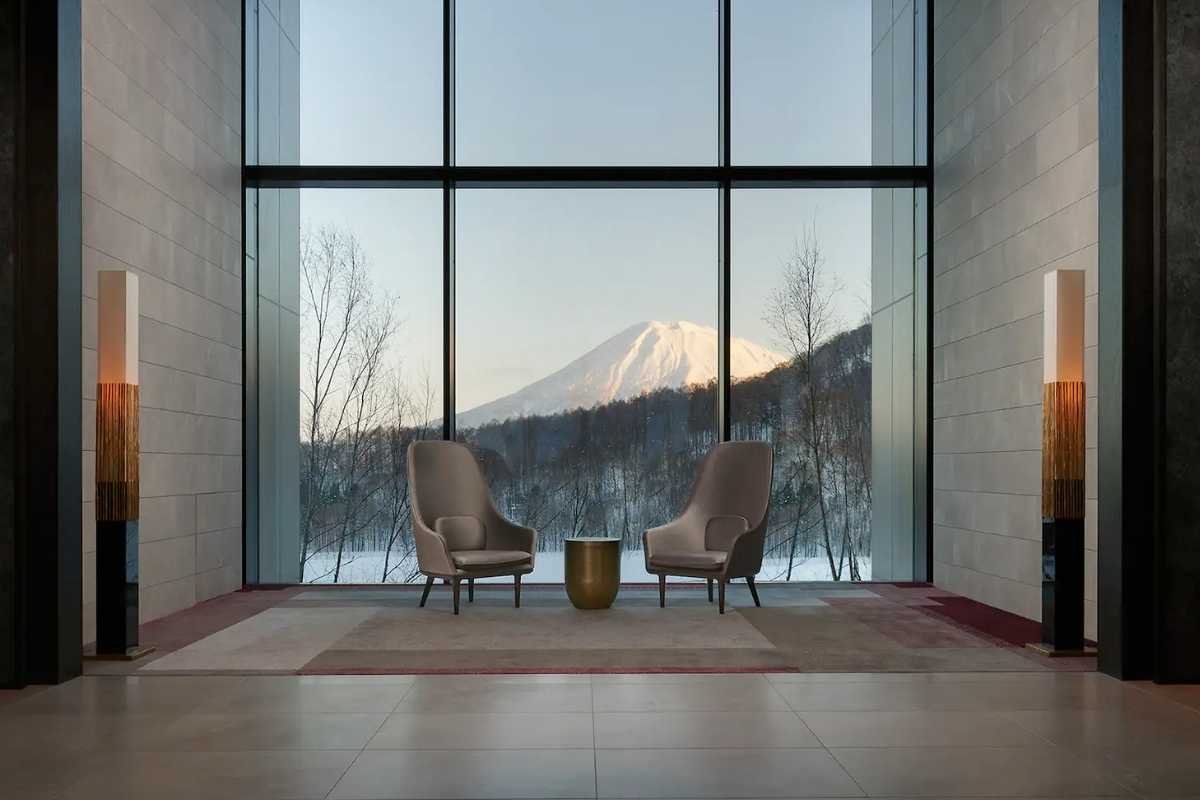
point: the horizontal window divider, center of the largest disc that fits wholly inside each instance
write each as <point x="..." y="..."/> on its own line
<point x="741" y="177"/>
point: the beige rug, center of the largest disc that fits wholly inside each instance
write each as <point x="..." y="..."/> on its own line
<point x="802" y="627"/>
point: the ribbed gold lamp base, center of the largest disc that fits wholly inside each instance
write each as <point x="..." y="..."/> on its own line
<point x="1063" y="424"/>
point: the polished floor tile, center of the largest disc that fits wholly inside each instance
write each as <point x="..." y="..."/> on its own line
<point x="126" y="695"/>
<point x="471" y="681"/>
<point x="566" y="736"/>
<point x="387" y="774"/>
<point x="294" y="774"/>
<point x="714" y="694"/>
<point x="1183" y="695"/>
<point x="916" y="729"/>
<point x="1163" y="771"/>
<point x="46" y="774"/>
<point x="976" y="772"/>
<point x="1008" y="678"/>
<point x="721" y="773"/>
<point x="485" y="696"/>
<point x="286" y="693"/>
<point x="658" y="678"/>
<point x="530" y="731"/>
<point x="30" y="735"/>
<point x="860" y="696"/>
<point x="266" y="731"/>
<point x="702" y="729"/>
<point x="1115" y="727"/>
<point x="996" y="695"/>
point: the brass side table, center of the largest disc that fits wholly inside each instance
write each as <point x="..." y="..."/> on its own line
<point x="593" y="570"/>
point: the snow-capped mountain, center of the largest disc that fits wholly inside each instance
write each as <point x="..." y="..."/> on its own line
<point x="641" y="358"/>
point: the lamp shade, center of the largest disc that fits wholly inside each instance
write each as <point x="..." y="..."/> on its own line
<point x="1063" y="326"/>
<point x="1063" y="396"/>
<point x="117" y="398"/>
<point x="117" y="342"/>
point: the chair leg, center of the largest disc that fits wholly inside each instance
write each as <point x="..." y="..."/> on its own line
<point x="710" y="590"/>
<point x="470" y="590"/>
<point x="516" y="591"/>
<point x="753" y="590"/>
<point x="721" y="595"/>
<point x="662" y="591"/>
<point x="454" y="587"/>
<point x="425" y="594"/>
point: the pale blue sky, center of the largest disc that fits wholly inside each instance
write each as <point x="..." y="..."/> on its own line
<point x="544" y="275"/>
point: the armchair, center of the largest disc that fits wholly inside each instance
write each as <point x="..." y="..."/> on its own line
<point x="721" y="533"/>
<point x="457" y="530"/>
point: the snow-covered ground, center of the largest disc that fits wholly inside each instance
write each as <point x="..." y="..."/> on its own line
<point x="366" y="567"/>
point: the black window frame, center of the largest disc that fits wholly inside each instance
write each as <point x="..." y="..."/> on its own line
<point x="725" y="176"/>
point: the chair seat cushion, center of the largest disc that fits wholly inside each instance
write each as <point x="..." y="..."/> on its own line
<point x="701" y="559"/>
<point x="468" y="559"/>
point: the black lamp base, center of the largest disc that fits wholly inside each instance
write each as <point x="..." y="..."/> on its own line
<point x="116" y="588"/>
<point x="1057" y="652"/>
<point x="132" y="654"/>
<point x="1062" y="589"/>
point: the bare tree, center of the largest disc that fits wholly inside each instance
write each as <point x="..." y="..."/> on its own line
<point x="801" y="313"/>
<point x="345" y="333"/>
<point x="367" y="403"/>
<point x="409" y="418"/>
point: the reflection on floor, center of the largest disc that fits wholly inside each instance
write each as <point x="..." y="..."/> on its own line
<point x="815" y="627"/>
<point x="1042" y="734"/>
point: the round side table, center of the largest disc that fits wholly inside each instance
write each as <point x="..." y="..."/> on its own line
<point x="593" y="570"/>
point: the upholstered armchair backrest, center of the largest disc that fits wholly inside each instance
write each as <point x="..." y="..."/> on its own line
<point x="446" y="481"/>
<point x="734" y="479"/>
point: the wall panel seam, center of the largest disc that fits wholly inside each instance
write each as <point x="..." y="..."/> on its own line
<point x="948" y="157"/>
<point x="168" y="67"/>
<point x="1015" y="234"/>
<point x="164" y="237"/>
<point x="1015" y="60"/>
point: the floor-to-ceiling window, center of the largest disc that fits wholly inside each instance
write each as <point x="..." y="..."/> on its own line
<point x="587" y="355"/>
<point x="590" y="240"/>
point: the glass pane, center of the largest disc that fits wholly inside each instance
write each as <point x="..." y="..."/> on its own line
<point x="576" y="82"/>
<point x="350" y="366"/>
<point x="586" y="356"/>
<point x="351" y="82"/>
<point x="822" y="82"/>
<point x="825" y="277"/>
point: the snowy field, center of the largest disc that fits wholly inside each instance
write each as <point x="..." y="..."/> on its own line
<point x="367" y="567"/>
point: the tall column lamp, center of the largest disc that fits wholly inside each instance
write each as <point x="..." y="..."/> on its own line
<point x="117" y="468"/>
<point x="1064" y="406"/>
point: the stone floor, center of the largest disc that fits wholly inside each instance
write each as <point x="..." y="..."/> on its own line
<point x="1041" y="734"/>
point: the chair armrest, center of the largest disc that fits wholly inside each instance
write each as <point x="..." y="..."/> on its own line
<point x="678" y="535"/>
<point x="722" y="530"/>
<point x="503" y="534"/>
<point x="433" y="553"/>
<point x="746" y="553"/>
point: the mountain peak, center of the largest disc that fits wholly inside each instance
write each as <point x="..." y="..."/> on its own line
<point x="644" y="357"/>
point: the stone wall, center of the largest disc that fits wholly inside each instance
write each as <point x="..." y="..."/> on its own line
<point x="1015" y="195"/>
<point x="162" y="154"/>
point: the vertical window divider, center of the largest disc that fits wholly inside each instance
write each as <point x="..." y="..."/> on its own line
<point x="448" y="224"/>
<point x="724" y="379"/>
<point x="925" y="372"/>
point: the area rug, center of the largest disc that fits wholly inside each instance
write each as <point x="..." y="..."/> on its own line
<point x="815" y="627"/>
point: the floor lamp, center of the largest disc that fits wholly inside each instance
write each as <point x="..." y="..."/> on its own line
<point x="117" y="468"/>
<point x="1064" y="406"/>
